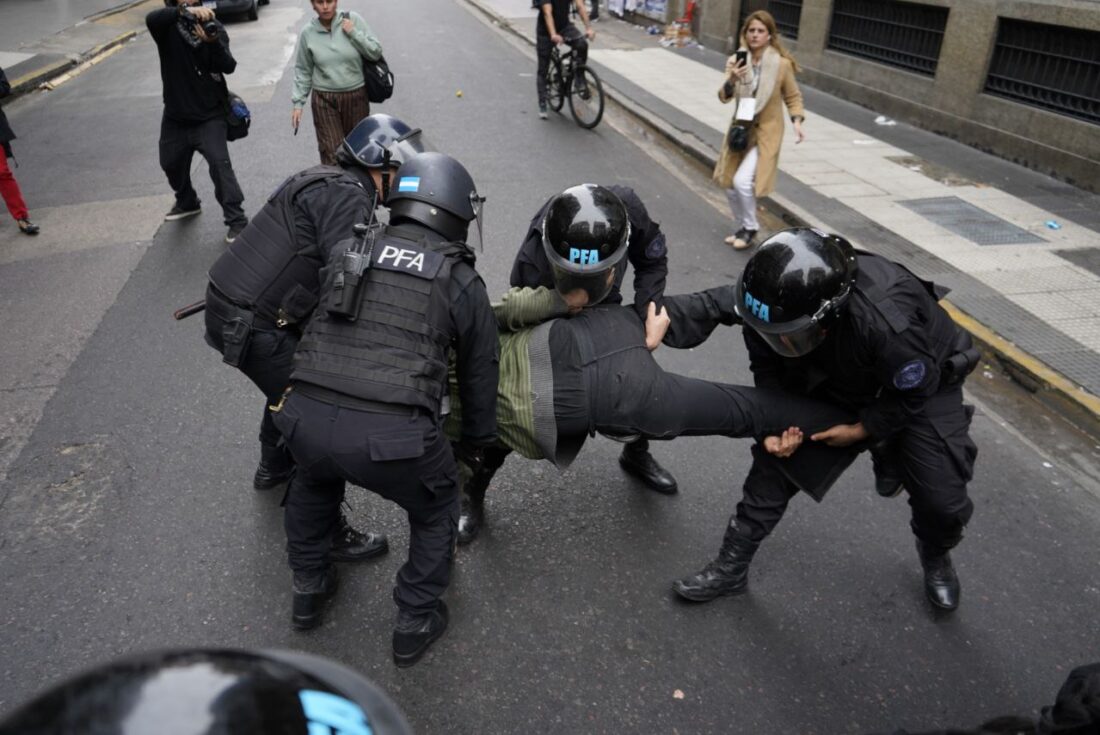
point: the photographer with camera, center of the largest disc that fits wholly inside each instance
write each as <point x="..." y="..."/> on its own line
<point x="194" y="55"/>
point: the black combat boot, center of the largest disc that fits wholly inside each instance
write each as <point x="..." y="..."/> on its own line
<point x="311" y="591"/>
<point x="349" y="545"/>
<point x="941" y="583"/>
<point x="276" y="467"/>
<point x="726" y="575"/>
<point x="414" y="633"/>
<point x="637" y="461"/>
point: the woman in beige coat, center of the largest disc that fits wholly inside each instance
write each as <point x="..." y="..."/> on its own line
<point x="761" y="86"/>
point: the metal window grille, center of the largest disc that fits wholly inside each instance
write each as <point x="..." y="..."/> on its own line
<point x="1047" y="66"/>
<point x="905" y="35"/>
<point x="787" y="14"/>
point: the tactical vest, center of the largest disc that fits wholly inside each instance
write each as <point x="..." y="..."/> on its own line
<point x="265" y="270"/>
<point x="395" y="350"/>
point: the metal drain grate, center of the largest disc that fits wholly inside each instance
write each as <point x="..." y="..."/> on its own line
<point x="976" y="225"/>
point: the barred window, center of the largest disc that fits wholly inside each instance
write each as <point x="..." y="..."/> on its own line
<point x="904" y="35"/>
<point x="787" y="14"/>
<point x="1047" y="66"/>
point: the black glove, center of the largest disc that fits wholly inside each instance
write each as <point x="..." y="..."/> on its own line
<point x="470" y="455"/>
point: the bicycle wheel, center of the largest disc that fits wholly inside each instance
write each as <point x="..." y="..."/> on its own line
<point x="555" y="86"/>
<point x="586" y="103"/>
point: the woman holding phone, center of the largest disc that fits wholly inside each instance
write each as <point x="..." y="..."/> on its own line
<point x="760" y="80"/>
<point x="329" y="64"/>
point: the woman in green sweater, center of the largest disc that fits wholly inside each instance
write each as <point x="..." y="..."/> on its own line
<point x="329" y="63"/>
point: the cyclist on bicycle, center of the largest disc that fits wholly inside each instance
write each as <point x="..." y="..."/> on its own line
<point x="554" y="28"/>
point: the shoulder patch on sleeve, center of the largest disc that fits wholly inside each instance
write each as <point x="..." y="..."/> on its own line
<point x="656" y="247"/>
<point x="910" y="375"/>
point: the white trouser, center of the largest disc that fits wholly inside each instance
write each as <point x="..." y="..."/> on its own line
<point x="742" y="197"/>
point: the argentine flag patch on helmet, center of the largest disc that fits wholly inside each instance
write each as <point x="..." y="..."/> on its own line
<point x="409" y="183"/>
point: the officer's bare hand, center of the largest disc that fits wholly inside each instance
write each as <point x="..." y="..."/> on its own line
<point x="841" y="435"/>
<point x="575" y="300"/>
<point x="656" y="326"/>
<point x="785" y="444"/>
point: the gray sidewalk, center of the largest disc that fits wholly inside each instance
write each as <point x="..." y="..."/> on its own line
<point x="1020" y="250"/>
<point x="36" y="46"/>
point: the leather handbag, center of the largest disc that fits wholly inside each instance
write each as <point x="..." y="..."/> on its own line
<point x="377" y="79"/>
<point x="738" y="137"/>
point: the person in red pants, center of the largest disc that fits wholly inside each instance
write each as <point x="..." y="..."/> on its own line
<point x="9" y="187"/>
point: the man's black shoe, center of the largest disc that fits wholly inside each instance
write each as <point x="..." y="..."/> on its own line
<point x="888" y="487"/>
<point x="637" y="461"/>
<point x="311" y="591"/>
<point x="349" y="545"/>
<point x="275" y="468"/>
<point x="178" y="212"/>
<point x="414" y="633"/>
<point x="232" y="233"/>
<point x="470" y="519"/>
<point x="941" y="583"/>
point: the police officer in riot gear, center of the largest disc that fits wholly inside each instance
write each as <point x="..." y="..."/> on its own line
<point x="369" y="378"/>
<point x="211" y="692"/>
<point x="264" y="287"/>
<point x="646" y="251"/>
<point x="857" y="330"/>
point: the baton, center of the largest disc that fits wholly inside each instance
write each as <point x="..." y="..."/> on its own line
<point x="190" y="310"/>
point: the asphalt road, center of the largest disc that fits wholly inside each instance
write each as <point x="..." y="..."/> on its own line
<point x="127" y="520"/>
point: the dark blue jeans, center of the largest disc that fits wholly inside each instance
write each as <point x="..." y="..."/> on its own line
<point x="178" y="143"/>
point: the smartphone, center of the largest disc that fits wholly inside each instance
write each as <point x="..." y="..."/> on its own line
<point x="742" y="57"/>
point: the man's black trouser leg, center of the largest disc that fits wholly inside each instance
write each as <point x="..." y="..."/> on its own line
<point x="209" y="140"/>
<point x="543" y="47"/>
<point x="765" y="496"/>
<point x="636" y="396"/>
<point x="404" y="458"/>
<point x="579" y="43"/>
<point x="937" y="456"/>
<point x="268" y="365"/>
<point x="176" y="152"/>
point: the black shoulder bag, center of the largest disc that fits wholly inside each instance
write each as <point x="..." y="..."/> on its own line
<point x="377" y="79"/>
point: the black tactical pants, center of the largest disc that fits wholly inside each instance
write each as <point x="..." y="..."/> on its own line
<point x="403" y="457"/>
<point x="934" y="455"/>
<point x="178" y="143"/>
<point x="267" y="363"/>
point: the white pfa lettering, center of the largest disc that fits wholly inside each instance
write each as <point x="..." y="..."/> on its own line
<point x="396" y="255"/>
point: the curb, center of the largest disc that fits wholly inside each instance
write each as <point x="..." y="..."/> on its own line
<point x="1070" y="399"/>
<point x="31" y="81"/>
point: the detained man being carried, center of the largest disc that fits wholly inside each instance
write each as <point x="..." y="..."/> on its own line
<point x="571" y="367"/>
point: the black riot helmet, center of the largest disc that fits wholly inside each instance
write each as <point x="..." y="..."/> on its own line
<point x="438" y="192"/>
<point x="585" y="233"/>
<point x="376" y="135"/>
<point x="380" y="142"/>
<point x="794" y="286"/>
<point x="212" y="692"/>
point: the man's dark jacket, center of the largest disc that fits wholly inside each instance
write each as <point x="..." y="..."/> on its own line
<point x="194" y="89"/>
